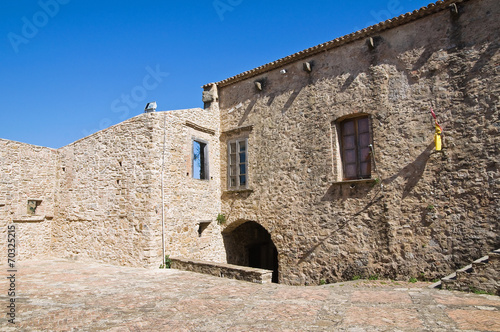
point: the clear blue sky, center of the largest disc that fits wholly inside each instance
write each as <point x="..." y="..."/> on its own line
<point x="72" y="67"/>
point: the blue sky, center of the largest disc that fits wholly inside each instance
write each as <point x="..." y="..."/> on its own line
<point x="72" y="67"/>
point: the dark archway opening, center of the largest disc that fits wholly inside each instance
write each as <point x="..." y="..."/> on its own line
<point x="250" y="245"/>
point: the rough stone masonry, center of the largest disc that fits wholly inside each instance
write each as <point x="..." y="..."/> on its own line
<point x="283" y="200"/>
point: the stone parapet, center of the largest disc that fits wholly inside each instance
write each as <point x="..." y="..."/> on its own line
<point x="230" y="271"/>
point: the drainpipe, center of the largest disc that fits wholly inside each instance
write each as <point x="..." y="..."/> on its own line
<point x="162" y="189"/>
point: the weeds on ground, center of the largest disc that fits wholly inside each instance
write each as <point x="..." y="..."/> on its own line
<point x="479" y="291"/>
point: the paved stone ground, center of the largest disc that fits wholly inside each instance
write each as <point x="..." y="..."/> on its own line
<point x="59" y="295"/>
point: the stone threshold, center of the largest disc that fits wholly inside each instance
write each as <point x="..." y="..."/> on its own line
<point x="223" y="270"/>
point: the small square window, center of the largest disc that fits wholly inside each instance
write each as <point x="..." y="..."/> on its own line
<point x="32" y="205"/>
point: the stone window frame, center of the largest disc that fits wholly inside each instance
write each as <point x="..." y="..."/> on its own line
<point x="238" y="162"/>
<point x="339" y="148"/>
<point x="206" y="159"/>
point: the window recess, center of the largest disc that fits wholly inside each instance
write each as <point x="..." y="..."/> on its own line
<point x="200" y="160"/>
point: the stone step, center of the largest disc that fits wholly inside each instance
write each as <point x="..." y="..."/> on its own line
<point x="495" y="257"/>
<point x="468" y="271"/>
<point x="479" y="267"/>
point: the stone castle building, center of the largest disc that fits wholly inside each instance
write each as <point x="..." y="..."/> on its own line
<point x="320" y="165"/>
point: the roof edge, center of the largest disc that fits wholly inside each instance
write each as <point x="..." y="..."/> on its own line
<point x="363" y="33"/>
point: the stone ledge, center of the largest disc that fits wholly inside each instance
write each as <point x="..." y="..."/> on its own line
<point x="238" y="191"/>
<point x="223" y="270"/>
<point x="29" y="219"/>
<point x="238" y="130"/>
<point x="354" y="182"/>
<point x="199" y="128"/>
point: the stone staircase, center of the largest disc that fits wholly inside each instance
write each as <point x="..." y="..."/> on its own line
<point x="482" y="275"/>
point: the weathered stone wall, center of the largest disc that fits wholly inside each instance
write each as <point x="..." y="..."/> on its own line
<point x="110" y="192"/>
<point x="101" y="196"/>
<point x="106" y="199"/>
<point x="422" y="213"/>
<point x="430" y="212"/>
<point x="27" y="172"/>
<point x="189" y="202"/>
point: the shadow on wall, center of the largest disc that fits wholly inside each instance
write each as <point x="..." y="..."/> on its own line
<point x="413" y="172"/>
<point x="340" y="226"/>
<point x="385" y="53"/>
<point x="343" y="191"/>
<point x="248" y="111"/>
<point x="250" y="244"/>
<point x="291" y="99"/>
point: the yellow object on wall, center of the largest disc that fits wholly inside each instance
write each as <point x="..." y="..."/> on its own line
<point x="437" y="138"/>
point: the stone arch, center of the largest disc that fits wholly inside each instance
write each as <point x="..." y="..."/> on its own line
<point x="248" y="243"/>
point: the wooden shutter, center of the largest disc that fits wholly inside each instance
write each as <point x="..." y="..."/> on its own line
<point x="356" y="140"/>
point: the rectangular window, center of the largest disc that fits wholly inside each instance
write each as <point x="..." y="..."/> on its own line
<point x="200" y="160"/>
<point x="237" y="164"/>
<point x="355" y="148"/>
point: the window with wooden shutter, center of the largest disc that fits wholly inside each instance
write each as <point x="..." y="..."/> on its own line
<point x="355" y="145"/>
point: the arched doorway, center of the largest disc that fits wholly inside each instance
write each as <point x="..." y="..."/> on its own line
<point x="250" y="244"/>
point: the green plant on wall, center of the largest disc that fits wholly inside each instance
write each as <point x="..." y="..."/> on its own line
<point x="168" y="263"/>
<point x="375" y="182"/>
<point x="221" y="219"/>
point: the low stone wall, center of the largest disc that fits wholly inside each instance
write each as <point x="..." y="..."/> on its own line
<point x="251" y="274"/>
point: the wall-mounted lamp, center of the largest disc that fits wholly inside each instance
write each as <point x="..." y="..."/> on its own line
<point x="260" y="84"/>
<point x="454" y="8"/>
<point x="283" y="71"/>
<point x="374" y="42"/>
<point x="371" y="43"/>
<point x="308" y="66"/>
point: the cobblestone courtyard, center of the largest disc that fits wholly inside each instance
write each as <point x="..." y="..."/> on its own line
<point x="59" y="295"/>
